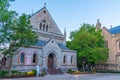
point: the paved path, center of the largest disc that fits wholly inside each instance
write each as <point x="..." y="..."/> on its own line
<point x="97" y="76"/>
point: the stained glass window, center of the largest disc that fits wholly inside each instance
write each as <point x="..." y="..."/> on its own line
<point x="64" y="59"/>
<point x="22" y="57"/>
<point x="34" y="58"/>
<point x="71" y="60"/>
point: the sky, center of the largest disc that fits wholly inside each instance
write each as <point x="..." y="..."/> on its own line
<point x="70" y="14"/>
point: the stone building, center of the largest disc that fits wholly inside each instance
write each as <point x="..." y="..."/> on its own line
<point x="50" y="51"/>
<point x="112" y="41"/>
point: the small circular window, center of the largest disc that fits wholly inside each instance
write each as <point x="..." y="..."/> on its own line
<point x="44" y="11"/>
<point x="52" y="41"/>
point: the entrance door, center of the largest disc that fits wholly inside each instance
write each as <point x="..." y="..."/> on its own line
<point x="50" y="61"/>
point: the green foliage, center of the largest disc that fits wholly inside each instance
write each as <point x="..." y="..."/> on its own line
<point x="30" y="73"/>
<point x="43" y="73"/>
<point x="6" y="21"/>
<point x="15" y="30"/>
<point x="70" y="71"/>
<point x="34" y="71"/>
<point x="89" y="44"/>
<point x="76" y="72"/>
<point x="15" y="71"/>
<point x="23" y="33"/>
<point x="3" y="73"/>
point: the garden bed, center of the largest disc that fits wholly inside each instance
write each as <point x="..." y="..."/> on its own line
<point x="18" y="74"/>
<point x="79" y="72"/>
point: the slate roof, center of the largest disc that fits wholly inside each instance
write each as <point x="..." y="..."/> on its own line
<point x="42" y="43"/>
<point x="38" y="11"/>
<point x="115" y="30"/>
<point x="62" y="46"/>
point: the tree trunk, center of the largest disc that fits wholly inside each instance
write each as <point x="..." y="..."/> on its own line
<point x="83" y="67"/>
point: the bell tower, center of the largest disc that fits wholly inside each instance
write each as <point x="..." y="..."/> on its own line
<point x="98" y="25"/>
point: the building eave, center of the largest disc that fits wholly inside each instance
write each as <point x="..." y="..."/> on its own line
<point x="69" y="51"/>
<point x="49" y="33"/>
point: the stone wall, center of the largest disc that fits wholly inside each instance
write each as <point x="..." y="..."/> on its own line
<point x="51" y="47"/>
<point x="69" y="64"/>
<point x="113" y="46"/>
<point x="16" y="64"/>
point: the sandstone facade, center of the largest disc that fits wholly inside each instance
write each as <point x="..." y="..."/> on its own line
<point x="112" y="41"/>
<point x="50" y="51"/>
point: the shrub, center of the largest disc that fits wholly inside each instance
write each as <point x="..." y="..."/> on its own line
<point x="35" y="72"/>
<point x="15" y="71"/>
<point x="77" y="72"/>
<point x="30" y="73"/>
<point x="94" y="71"/>
<point x="8" y="75"/>
<point x="24" y="74"/>
<point x="42" y="73"/>
<point x="3" y="73"/>
<point x="70" y="71"/>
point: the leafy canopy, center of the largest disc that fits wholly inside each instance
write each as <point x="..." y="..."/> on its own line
<point x="89" y="44"/>
<point x="15" y="30"/>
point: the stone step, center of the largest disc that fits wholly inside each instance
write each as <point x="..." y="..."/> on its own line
<point x="54" y="71"/>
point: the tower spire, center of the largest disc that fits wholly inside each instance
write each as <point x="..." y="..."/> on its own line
<point x="32" y="12"/>
<point x="98" y="25"/>
<point x="65" y="35"/>
<point x="65" y="31"/>
<point x="44" y="4"/>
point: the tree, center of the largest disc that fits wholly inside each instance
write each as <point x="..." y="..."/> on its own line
<point x="21" y="35"/>
<point x="6" y="22"/>
<point x="89" y="44"/>
<point x="15" y="30"/>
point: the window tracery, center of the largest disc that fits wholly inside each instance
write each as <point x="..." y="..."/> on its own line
<point x="43" y="25"/>
<point x="22" y="58"/>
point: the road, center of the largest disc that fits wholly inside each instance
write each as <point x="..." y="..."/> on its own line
<point x="97" y="76"/>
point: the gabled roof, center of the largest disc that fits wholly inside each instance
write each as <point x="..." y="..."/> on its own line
<point x="115" y="30"/>
<point x="42" y="43"/>
<point x="54" y="28"/>
<point x="38" y="11"/>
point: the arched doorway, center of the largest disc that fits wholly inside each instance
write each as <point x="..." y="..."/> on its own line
<point x="51" y="63"/>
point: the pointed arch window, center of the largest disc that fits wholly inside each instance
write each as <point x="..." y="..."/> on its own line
<point x="40" y="26"/>
<point x="119" y="45"/>
<point x="106" y="43"/>
<point x="22" y="58"/>
<point x="34" y="58"/>
<point x="46" y="27"/>
<point x="71" y="59"/>
<point x="43" y="25"/>
<point x="64" y="59"/>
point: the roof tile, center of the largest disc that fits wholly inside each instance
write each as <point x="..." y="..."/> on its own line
<point x="115" y="30"/>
